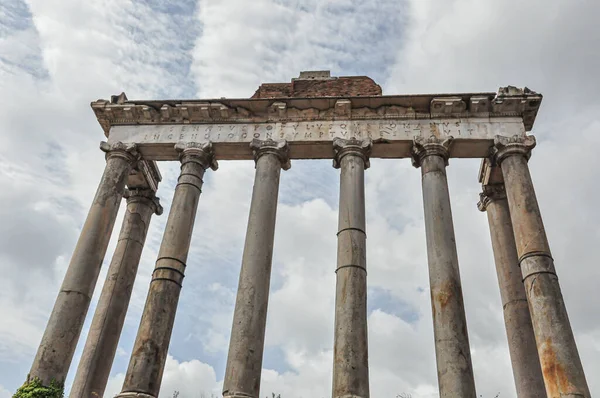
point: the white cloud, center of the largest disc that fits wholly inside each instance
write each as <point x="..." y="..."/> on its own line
<point x="191" y="379"/>
<point x="4" y="393"/>
<point x="246" y="43"/>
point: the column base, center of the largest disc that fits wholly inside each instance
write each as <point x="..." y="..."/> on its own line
<point x="350" y="396"/>
<point x="134" y="395"/>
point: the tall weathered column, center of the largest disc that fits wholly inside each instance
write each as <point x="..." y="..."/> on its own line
<point x="56" y="350"/>
<point x="244" y="362"/>
<point x="146" y="366"/>
<point x="453" y="356"/>
<point x="105" y="330"/>
<point x="517" y="321"/>
<point x="559" y="358"/>
<point x="350" y="348"/>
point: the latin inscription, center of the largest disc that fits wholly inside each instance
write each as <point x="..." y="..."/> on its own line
<point x="318" y="131"/>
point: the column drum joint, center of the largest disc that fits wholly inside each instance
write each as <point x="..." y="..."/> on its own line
<point x="351" y="266"/>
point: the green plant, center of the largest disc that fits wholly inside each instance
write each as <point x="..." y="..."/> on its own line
<point x="35" y="389"/>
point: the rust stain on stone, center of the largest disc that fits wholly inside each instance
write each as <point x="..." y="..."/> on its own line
<point x="444" y="295"/>
<point x="557" y="381"/>
<point x="434" y="130"/>
<point x="344" y="283"/>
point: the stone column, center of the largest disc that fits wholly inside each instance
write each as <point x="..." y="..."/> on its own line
<point x="519" y="330"/>
<point x="105" y="330"/>
<point x="350" y="348"/>
<point x="453" y="356"/>
<point x="146" y="366"/>
<point x="559" y="358"/>
<point x="244" y="362"/>
<point x="56" y="350"/>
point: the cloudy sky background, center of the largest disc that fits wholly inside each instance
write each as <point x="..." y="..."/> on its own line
<point x="57" y="56"/>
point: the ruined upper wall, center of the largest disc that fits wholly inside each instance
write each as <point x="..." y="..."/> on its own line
<point x="320" y="84"/>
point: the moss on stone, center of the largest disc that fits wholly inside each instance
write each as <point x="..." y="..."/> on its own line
<point x="35" y="389"/>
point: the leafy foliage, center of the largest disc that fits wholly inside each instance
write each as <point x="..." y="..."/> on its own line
<point x="35" y="389"/>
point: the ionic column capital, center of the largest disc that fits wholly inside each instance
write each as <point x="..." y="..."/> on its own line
<point x="146" y="196"/>
<point x="515" y="145"/>
<point x="352" y="146"/>
<point x="201" y="153"/>
<point x="490" y="193"/>
<point x="280" y="149"/>
<point x="423" y="147"/>
<point x="128" y="152"/>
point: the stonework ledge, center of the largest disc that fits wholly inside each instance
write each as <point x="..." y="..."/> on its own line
<point x="145" y="175"/>
<point x="423" y="147"/>
<point x="515" y="145"/>
<point x="278" y="148"/>
<point x="238" y="395"/>
<point x="352" y="146"/>
<point x="134" y="395"/>
<point x="507" y="102"/>
<point x="201" y="153"/>
<point x="310" y="124"/>
<point x="350" y="396"/>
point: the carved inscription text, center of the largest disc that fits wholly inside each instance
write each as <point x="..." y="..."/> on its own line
<point x="317" y="131"/>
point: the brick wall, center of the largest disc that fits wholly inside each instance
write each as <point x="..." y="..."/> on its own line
<point x="350" y="86"/>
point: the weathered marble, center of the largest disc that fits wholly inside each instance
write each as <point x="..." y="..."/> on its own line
<point x="146" y="366"/>
<point x="391" y="137"/>
<point x="453" y="355"/>
<point x="509" y="102"/>
<point x="244" y="361"/>
<point x="526" y="368"/>
<point x="350" y="348"/>
<point x="348" y="120"/>
<point x="561" y="365"/>
<point x="310" y="125"/>
<point x="105" y="330"/>
<point x="62" y="332"/>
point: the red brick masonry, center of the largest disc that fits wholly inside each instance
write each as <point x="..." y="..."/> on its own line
<point x="348" y="86"/>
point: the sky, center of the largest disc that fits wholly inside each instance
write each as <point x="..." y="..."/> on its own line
<point x="58" y="56"/>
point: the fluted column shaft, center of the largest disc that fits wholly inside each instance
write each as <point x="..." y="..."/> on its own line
<point x="350" y="348"/>
<point x="105" y="330"/>
<point x="453" y="356"/>
<point x="55" y="352"/>
<point x="526" y="368"/>
<point x="244" y="361"/>
<point x="561" y="366"/>
<point x="146" y="366"/>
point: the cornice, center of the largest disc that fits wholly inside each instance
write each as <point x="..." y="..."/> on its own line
<point x="508" y="102"/>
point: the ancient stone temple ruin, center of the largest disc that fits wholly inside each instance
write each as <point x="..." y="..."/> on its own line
<point x="315" y="116"/>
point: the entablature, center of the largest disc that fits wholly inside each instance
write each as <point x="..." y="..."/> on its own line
<point x="508" y="102"/>
<point x="392" y="138"/>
